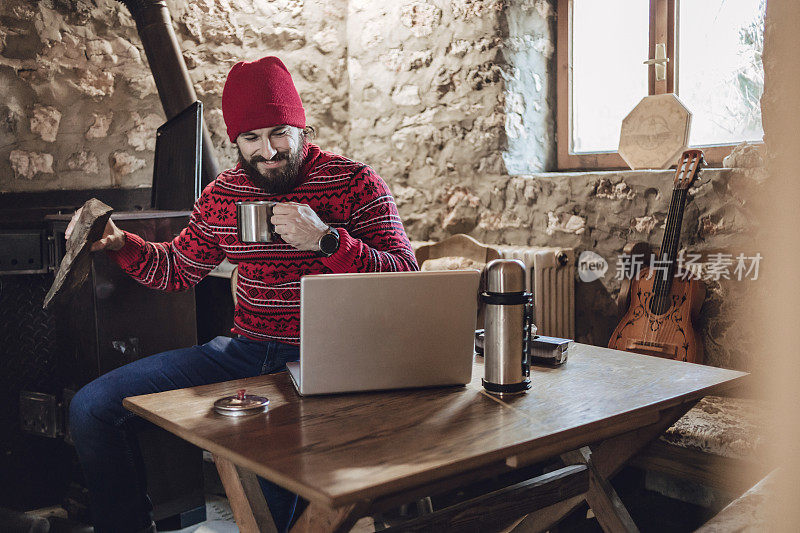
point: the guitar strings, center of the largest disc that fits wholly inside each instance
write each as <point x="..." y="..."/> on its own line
<point x="655" y="299"/>
<point x="650" y="335"/>
<point x="669" y="244"/>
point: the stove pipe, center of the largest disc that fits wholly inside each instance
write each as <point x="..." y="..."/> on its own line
<point x="154" y="24"/>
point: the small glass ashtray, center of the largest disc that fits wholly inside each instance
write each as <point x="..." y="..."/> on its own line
<point x="241" y="405"/>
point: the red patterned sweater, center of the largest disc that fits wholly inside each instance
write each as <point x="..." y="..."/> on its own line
<point x="347" y="195"/>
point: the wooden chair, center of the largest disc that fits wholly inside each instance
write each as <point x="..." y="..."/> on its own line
<point x="234" y="279"/>
<point x="459" y="245"/>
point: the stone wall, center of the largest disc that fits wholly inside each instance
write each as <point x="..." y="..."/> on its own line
<point x="456" y="94"/>
<point x="80" y="108"/>
<point x="451" y="101"/>
<point x="454" y="107"/>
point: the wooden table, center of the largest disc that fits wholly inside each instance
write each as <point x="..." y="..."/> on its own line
<point x="353" y="455"/>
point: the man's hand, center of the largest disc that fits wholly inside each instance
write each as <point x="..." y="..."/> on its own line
<point x="298" y="225"/>
<point x="113" y="238"/>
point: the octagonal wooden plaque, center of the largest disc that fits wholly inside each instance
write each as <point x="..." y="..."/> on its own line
<point x="655" y="132"/>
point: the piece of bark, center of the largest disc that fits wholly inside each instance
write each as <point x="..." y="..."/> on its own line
<point x="74" y="268"/>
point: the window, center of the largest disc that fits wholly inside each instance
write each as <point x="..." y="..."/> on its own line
<point x="713" y="63"/>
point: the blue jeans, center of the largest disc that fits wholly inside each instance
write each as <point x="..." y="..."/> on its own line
<point x="105" y="433"/>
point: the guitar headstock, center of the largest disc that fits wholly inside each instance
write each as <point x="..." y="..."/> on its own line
<point x="689" y="168"/>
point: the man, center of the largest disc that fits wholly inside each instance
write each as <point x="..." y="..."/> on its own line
<point x="334" y="215"/>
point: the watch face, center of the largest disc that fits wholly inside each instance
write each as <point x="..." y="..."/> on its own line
<point x="329" y="243"/>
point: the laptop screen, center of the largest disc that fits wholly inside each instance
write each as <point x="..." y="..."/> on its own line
<point x="178" y="160"/>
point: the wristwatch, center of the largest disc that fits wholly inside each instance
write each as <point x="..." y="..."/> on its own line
<point x="329" y="242"/>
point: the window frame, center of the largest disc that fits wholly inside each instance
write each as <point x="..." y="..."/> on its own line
<point x="664" y="26"/>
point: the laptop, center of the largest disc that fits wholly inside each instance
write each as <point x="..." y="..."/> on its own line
<point x="390" y="330"/>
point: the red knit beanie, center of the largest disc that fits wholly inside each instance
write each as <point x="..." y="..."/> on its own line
<point x="260" y="94"/>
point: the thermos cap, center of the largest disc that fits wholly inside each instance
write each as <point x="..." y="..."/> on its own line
<point x="505" y="275"/>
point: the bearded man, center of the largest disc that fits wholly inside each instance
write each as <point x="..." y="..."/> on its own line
<point x="333" y="215"/>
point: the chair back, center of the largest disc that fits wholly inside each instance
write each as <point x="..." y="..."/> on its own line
<point x="234" y="279"/>
<point x="459" y="245"/>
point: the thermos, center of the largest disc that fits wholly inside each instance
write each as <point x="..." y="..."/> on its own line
<point x="507" y="323"/>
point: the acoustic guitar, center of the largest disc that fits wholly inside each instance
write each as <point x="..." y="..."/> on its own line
<point x="662" y="302"/>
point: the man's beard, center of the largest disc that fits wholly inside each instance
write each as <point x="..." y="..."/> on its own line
<point x="276" y="180"/>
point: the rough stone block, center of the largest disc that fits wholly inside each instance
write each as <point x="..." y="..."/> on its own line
<point x="123" y="163"/>
<point x="26" y="165"/>
<point x="420" y="17"/>
<point x="459" y="48"/>
<point x="94" y="83"/>
<point x="83" y="161"/>
<point x="125" y="51"/>
<point x="619" y="191"/>
<point x="468" y="9"/>
<point x="100" y="125"/>
<point x="744" y="155"/>
<point x="45" y="121"/>
<point x="10" y="118"/>
<point x="73" y="47"/>
<point x="644" y="224"/>
<point x="143" y="134"/>
<point x="327" y="40"/>
<point x="483" y="75"/>
<point x="142" y="86"/>
<point x="210" y="21"/>
<point x="406" y="95"/>
<point x="21" y="39"/>
<point x="462" y="211"/>
<point x="565" y="223"/>
<point x="707" y="227"/>
<point x="100" y="52"/>
<point x="211" y="85"/>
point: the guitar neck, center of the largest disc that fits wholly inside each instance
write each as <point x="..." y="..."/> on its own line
<point x="671" y="241"/>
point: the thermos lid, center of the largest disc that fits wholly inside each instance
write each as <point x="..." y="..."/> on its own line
<point x="505" y="275"/>
<point x="240" y="405"/>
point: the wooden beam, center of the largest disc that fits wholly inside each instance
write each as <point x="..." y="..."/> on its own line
<point x="502" y="508"/>
<point x="544" y="519"/>
<point x="623" y="424"/>
<point x="727" y="473"/>
<point x="610" y="455"/>
<point x="438" y="487"/>
<point x="602" y="498"/>
<point x="317" y="518"/>
<point x="659" y="34"/>
<point x="244" y="494"/>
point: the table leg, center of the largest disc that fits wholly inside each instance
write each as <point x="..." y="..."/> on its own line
<point x="602" y="498"/>
<point x="318" y="518"/>
<point x="244" y="494"/>
<point x="606" y="458"/>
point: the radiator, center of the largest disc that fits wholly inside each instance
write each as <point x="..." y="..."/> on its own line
<point x="551" y="278"/>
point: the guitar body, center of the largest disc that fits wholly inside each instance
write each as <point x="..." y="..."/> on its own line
<point x="671" y="334"/>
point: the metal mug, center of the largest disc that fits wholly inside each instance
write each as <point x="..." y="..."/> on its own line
<point x="253" y="221"/>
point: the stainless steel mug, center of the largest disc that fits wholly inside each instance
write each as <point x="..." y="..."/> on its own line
<point x="253" y="221"/>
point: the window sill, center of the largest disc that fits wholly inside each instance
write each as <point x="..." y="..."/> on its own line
<point x="660" y="173"/>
